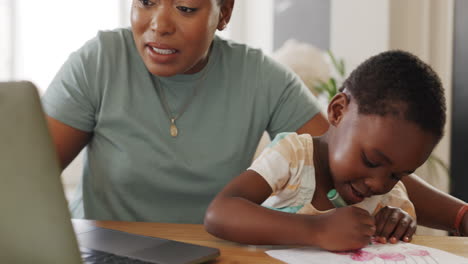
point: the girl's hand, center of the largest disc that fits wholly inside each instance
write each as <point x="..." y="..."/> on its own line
<point x="345" y="228"/>
<point x="394" y="224"/>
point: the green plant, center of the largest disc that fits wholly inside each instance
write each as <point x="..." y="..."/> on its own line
<point x="330" y="87"/>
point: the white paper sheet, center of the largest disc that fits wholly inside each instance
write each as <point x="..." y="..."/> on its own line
<point x="401" y="253"/>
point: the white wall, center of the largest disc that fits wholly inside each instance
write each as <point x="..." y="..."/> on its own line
<point x="359" y="29"/>
<point x="252" y="23"/>
<point x="46" y="36"/>
<point x="5" y="39"/>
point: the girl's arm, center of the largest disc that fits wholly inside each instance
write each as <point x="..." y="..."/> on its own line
<point x="235" y="214"/>
<point x="434" y="208"/>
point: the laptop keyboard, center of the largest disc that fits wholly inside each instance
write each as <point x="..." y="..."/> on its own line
<point x="91" y="256"/>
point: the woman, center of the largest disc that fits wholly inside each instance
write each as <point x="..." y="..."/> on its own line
<point x="169" y="112"/>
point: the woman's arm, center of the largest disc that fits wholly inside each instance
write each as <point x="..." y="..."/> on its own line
<point x="315" y="126"/>
<point x="68" y="141"/>
<point x="235" y="214"/>
<point x="434" y="208"/>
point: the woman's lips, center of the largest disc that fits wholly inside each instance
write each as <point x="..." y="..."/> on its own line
<point x="164" y="51"/>
<point x="161" y="54"/>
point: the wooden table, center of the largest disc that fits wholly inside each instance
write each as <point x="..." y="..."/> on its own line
<point x="237" y="253"/>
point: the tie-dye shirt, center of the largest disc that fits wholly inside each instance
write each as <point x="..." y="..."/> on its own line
<point x="287" y="164"/>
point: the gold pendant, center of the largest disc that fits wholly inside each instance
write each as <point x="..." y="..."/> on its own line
<point x="174" y="131"/>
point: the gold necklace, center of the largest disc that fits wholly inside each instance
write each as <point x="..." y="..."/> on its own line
<point x="173" y="128"/>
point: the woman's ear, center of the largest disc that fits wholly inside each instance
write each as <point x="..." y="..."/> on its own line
<point x="225" y="15"/>
<point x="337" y="107"/>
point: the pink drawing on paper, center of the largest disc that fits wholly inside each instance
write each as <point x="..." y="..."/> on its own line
<point x="418" y="252"/>
<point x="358" y="255"/>
<point x="403" y="257"/>
<point x="376" y="253"/>
<point x="392" y="256"/>
<point x="362" y="255"/>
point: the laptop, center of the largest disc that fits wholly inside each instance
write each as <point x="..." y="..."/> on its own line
<point x="35" y="224"/>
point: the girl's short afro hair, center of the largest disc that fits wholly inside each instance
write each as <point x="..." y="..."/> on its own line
<point x="399" y="83"/>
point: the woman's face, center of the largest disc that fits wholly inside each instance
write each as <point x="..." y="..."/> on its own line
<point x="174" y="36"/>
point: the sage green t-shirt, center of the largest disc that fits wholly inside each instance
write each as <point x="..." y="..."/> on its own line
<point x="134" y="169"/>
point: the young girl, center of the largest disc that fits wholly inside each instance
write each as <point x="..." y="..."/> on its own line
<point x="385" y="123"/>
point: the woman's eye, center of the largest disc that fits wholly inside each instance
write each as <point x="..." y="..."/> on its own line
<point x="146" y="2"/>
<point x="366" y="162"/>
<point x="186" y="9"/>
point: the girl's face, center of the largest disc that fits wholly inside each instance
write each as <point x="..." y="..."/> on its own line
<point x="174" y="36"/>
<point x="369" y="154"/>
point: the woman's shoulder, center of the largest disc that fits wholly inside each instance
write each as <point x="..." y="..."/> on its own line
<point x="100" y="58"/>
<point x="240" y="52"/>
<point x="107" y="50"/>
<point x="108" y="42"/>
<point x="118" y="34"/>
<point x="114" y="40"/>
<point x="257" y="61"/>
<point x="231" y="46"/>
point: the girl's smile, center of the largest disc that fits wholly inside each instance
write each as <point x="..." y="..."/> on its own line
<point x="356" y="195"/>
<point x="367" y="155"/>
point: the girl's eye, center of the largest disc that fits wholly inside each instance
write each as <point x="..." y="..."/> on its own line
<point x="366" y="162"/>
<point x="395" y="177"/>
<point x="186" y="9"/>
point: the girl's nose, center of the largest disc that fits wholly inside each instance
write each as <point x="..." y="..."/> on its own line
<point x="380" y="182"/>
<point x="162" y="22"/>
